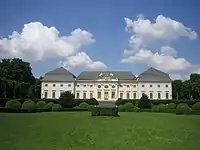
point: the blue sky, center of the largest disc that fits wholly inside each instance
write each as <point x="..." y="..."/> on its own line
<point x="104" y="23"/>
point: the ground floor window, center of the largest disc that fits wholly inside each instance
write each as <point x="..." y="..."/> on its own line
<point x="45" y="94"/>
<point x="134" y="95"/>
<point x="91" y="95"/>
<point x="99" y="95"/>
<point x="53" y="94"/>
<point x="127" y="95"/>
<point x="167" y="95"/>
<point x="151" y="95"/>
<point x="77" y="95"/>
<point x="121" y="95"/>
<point x="84" y="95"/>
<point x="159" y="95"/>
<point x="113" y="95"/>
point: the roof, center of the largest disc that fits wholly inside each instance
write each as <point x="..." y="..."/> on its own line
<point x="154" y="75"/>
<point x="94" y="75"/>
<point x="59" y="75"/>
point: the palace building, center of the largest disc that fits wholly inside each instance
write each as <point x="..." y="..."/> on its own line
<point x="107" y="85"/>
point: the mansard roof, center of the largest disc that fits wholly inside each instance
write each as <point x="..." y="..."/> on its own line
<point x="59" y="74"/>
<point x="154" y="75"/>
<point x="94" y="75"/>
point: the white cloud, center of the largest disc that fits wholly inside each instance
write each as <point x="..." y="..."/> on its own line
<point x="84" y="62"/>
<point x="148" y="36"/>
<point x="167" y="50"/>
<point x="179" y="77"/>
<point x="39" y="42"/>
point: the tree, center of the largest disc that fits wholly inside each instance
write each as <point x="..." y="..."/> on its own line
<point x="144" y="102"/>
<point x="66" y="100"/>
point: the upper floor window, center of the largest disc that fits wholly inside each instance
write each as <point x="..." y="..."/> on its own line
<point x="99" y="86"/>
<point x="84" y="85"/>
<point x="54" y="85"/>
<point x="113" y="86"/>
<point x="158" y="85"/>
<point x="127" y="86"/>
<point x="121" y="85"/>
<point x="69" y="85"/>
<point x="46" y="85"/>
<point x="77" y="85"/>
<point x="166" y="85"/>
<point x="61" y="85"/>
<point x="134" y="85"/>
<point x="106" y="86"/>
<point x="91" y="85"/>
<point x="143" y="85"/>
<point x="150" y="85"/>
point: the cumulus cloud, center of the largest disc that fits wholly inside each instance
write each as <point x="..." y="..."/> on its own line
<point x="84" y="62"/>
<point x="148" y="36"/>
<point x="39" y="42"/>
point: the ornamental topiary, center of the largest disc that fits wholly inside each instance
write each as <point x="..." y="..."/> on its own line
<point x="182" y="108"/>
<point x="41" y="104"/>
<point x="49" y="105"/>
<point x="56" y="107"/>
<point x="161" y="107"/>
<point x="29" y="105"/>
<point x="171" y="106"/>
<point x="196" y="106"/>
<point x="83" y="105"/>
<point x="13" y="104"/>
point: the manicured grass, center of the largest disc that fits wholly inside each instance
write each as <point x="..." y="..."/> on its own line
<point x="80" y="131"/>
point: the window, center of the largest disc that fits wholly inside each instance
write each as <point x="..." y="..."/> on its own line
<point x="53" y="94"/>
<point x="77" y="85"/>
<point x="151" y="96"/>
<point x="46" y="85"/>
<point x="45" y="94"/>
<point x="120" y="85"/>
<point x="121" y="95"/>
<point x="113" y="95"/>
<point x="54" y="85"/>
<point x="150" y="85"/>
<point x="127" y="86"/>
<point x="99" y="95"/>
<point x="158" y="85"/>
<point x="142" y="85"/>
<point x="69" y="85"/>
<point x="84" y="95"/>
<point x="113" y="86"/>
<point x="61" y="92"/>
<point x="99" y="86"/>
<point x="61" y="85"/>
<point x="91" y="95"/>
<point x="134" y="86"/>
<point x="77" y="95"/>
<point x="167" y="95"/>
<point x="159" y="95"/>
<point x="134" y="95"/>
<point x="106" y="86"/>
<point x="166" y="85"/>
<point x="127" y="95"/>
<point x="91" y="85"/>
<point x="84" y="85"/>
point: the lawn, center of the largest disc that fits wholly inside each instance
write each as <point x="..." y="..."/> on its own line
<point x="80" y="131"/>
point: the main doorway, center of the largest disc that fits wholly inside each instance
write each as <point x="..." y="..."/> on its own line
<point x="105" y="95"/>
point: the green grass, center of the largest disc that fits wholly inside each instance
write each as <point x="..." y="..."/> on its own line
<point x="80" y="131"/>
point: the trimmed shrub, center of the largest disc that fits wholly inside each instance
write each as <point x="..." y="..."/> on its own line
<point x="124" y="101"/>
<point x="56" y="107"/>
<point x="121" y="108"/>
<point x="196" y="106"/>
<point x="66" y="100"/>
<point x="161" y="107"/>
<point x="74" y="109"/>
<point x="155" y="108"/>
<point x="49" y="105"/>
<point x="105" y="111"/>
<point x="12" y="110"/>
<point x="83" y="105"/>
<point x="144" y="102"/>
<point x="13" y="104"/>
<point x="90" y="107"/>
<point x="129" y="107"/>
<point x="29" y="105"/>
<point x="41" y="104"/>
<point x="92" y="101"/>
<point x="171" y="106"/>
<point x="136" y="109"/>
<point x="182" y="108"/>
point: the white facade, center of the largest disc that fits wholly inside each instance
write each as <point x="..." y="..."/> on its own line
<point x="107" y="90"/>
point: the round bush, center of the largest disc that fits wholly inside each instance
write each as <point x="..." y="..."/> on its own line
<point x="49" y="105"/>
<point x="161" y="107"/>
<point x="196" y="106"/>
<point x="56" y="107"/>
<point x="90" y="107"/>
<point x="41" y="104"/>
<point x="155" y="108"/>
<point x="129" y="107"/>
<point x="182" y="108"/>
<point x="29" y="105"/>
<point x="83" y="105"/>
<point x="121" y="108"/>
<point x="171" y="106"/>
<point x="13" y="104"/>
<point x="136" y="109"/>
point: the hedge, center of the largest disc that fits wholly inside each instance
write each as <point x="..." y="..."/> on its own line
<point x="56" y="107"/>
<point x="74" y="109"/>
<point x="49" y="105"/>
<point x="41" y="104"/>
<point x="196" y="106"/>
<point x="13" y="104"/>
<point x="104" y="111"/>
<point x="29" y="105"/>
<point x="182" y="108"/>
<point x="13" y="110"/>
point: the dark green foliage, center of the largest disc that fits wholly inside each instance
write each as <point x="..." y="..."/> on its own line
<point x="91" y="101"/>
<point x="90" y="107"/>
<point x="124" y="101"/>
<point x="56" y="107"/>
<point x="48" y="105"/>
<point x="41" y="104"/>
<point x="83" y="105"/>
<point x="182" y="108"/>
<point x="161" y="107"/>
<point x="121" y="108"/>
<point x="12" y="110"/>
<point x="171" y="106"/>
<point x="13" y="104"/>
<point x="74" y="109"/>
<point x="196" y="106"/>
<point x="104" y="111"/>
<point x="29" y="105"/>
<point x="129" y="107"/>
<point x="144" y="102"/>
<point x="66" y="100"/>
<point x="155" y="108"/>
